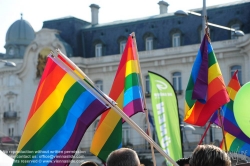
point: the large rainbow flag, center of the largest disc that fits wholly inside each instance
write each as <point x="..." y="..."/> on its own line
<point x="206" y="90"/>
<point x="235" y="145"/>
<point x="227" y="112"/>
<point x="63" y="107"/>
<point x="127" y="92"/>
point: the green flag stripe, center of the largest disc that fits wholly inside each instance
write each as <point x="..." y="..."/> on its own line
<point x="131" y="80"/>
<point x="112" y="143"/>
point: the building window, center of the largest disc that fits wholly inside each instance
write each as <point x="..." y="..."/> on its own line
<point x="11" y="131"/>
<point x="233" y="69"/>
<point x="99" y="84"/>
<point x="11" y="51"/>
<point x="149" y="43"/>
<point x="236" y="27"/>
<point x="177" y="82"/>
<point x="98" y="50"/>
<point x="122" y="46"/>
<point x="147" y="83"/>
<point x="125" y="134"/>
<point x="176" y="39"/>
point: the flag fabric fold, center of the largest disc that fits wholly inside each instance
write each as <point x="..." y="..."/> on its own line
<point x="227" y="112"/>
<point x="206" y="90"/>
<point x="127" y="92"/>
<point x="63" y="108"/>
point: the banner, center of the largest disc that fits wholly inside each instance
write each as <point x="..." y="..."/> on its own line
<point x="166" y="116"/>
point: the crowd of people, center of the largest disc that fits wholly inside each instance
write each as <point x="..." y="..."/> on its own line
<point x="203" y="155"/>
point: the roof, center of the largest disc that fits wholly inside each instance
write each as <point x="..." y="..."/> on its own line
<point x="162" y="16"/>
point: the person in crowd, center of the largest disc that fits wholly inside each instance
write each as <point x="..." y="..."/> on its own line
<point x="183" y="161"/>
<point x="123" y="157"/>
<point x="89" y="163"/>
<point x="209" y="155"/>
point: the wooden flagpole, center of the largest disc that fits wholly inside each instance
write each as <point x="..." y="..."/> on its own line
<point x="144" y="98"/>
<point x="222" y="128"/>
<point x="114" y="106"/>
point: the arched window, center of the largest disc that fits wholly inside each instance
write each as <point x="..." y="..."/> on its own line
<point x="176" y="39"/>
<point x="233" y="69"/>
<point x="99" y="84"/>
<point x="177" y="82"/>
<point x="122" y="46"/>
<point x="98" y="50"/>
<point x="149" y="43"/>
<point x="121" y="41"/>
<point x="149" y="38"/>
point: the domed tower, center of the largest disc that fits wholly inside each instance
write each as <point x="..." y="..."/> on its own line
<point x="18" y="37"/>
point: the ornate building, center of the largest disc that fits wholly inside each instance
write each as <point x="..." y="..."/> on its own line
<point x="167" y="45"/>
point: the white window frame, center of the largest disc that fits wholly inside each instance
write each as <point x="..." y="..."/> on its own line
<point x="98" y="50"/>
<point x="122" y="46"/>
<point x="149" y="43"/>
<point x="176" y="39"/>
<point x="177" y="81"/>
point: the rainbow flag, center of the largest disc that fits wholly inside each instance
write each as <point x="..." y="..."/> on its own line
<point x="227" y="112"/>
<point x="235" y="145"/>
<point x="127" y="92"/>
<point x="63" y="108"/>
<point x="206" y="90"/>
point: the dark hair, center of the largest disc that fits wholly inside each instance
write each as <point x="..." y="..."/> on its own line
<point x="183" y="161"/>
<point x="209" y="155"/>
<point x="89" y="163"/>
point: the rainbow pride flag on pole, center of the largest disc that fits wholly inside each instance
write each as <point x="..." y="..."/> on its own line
<point x="127" y="92"/>
<point x="227" y="112"/>
<point x="63" y="107"/>
<point x="235" y="145"/>
<point x="206" y="90"/>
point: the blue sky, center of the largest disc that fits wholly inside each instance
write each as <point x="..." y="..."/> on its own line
<point x="35" y="12"/>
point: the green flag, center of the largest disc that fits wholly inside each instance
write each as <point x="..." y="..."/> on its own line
<point x="166" y="116"/>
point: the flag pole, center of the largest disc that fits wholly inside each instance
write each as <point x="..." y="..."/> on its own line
<point x="150" y="135"/>
<point x="222" y="128"/>
<point x="144" y="98"/>
<point x="113" y="105"/>
<point x="204" y="134"/>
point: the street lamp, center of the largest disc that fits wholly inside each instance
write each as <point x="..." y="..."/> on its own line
<point x="8" y="63"/>
<point x="186" y="13"/>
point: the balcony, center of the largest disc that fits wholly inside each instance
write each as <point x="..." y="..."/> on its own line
<point x="10" y="115"/>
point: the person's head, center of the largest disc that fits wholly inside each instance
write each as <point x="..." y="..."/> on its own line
<point x="123" y="157"/>
<point x="89" y="163"/>
<point x="183" y="162"/>
<point x="209" y="155"/>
